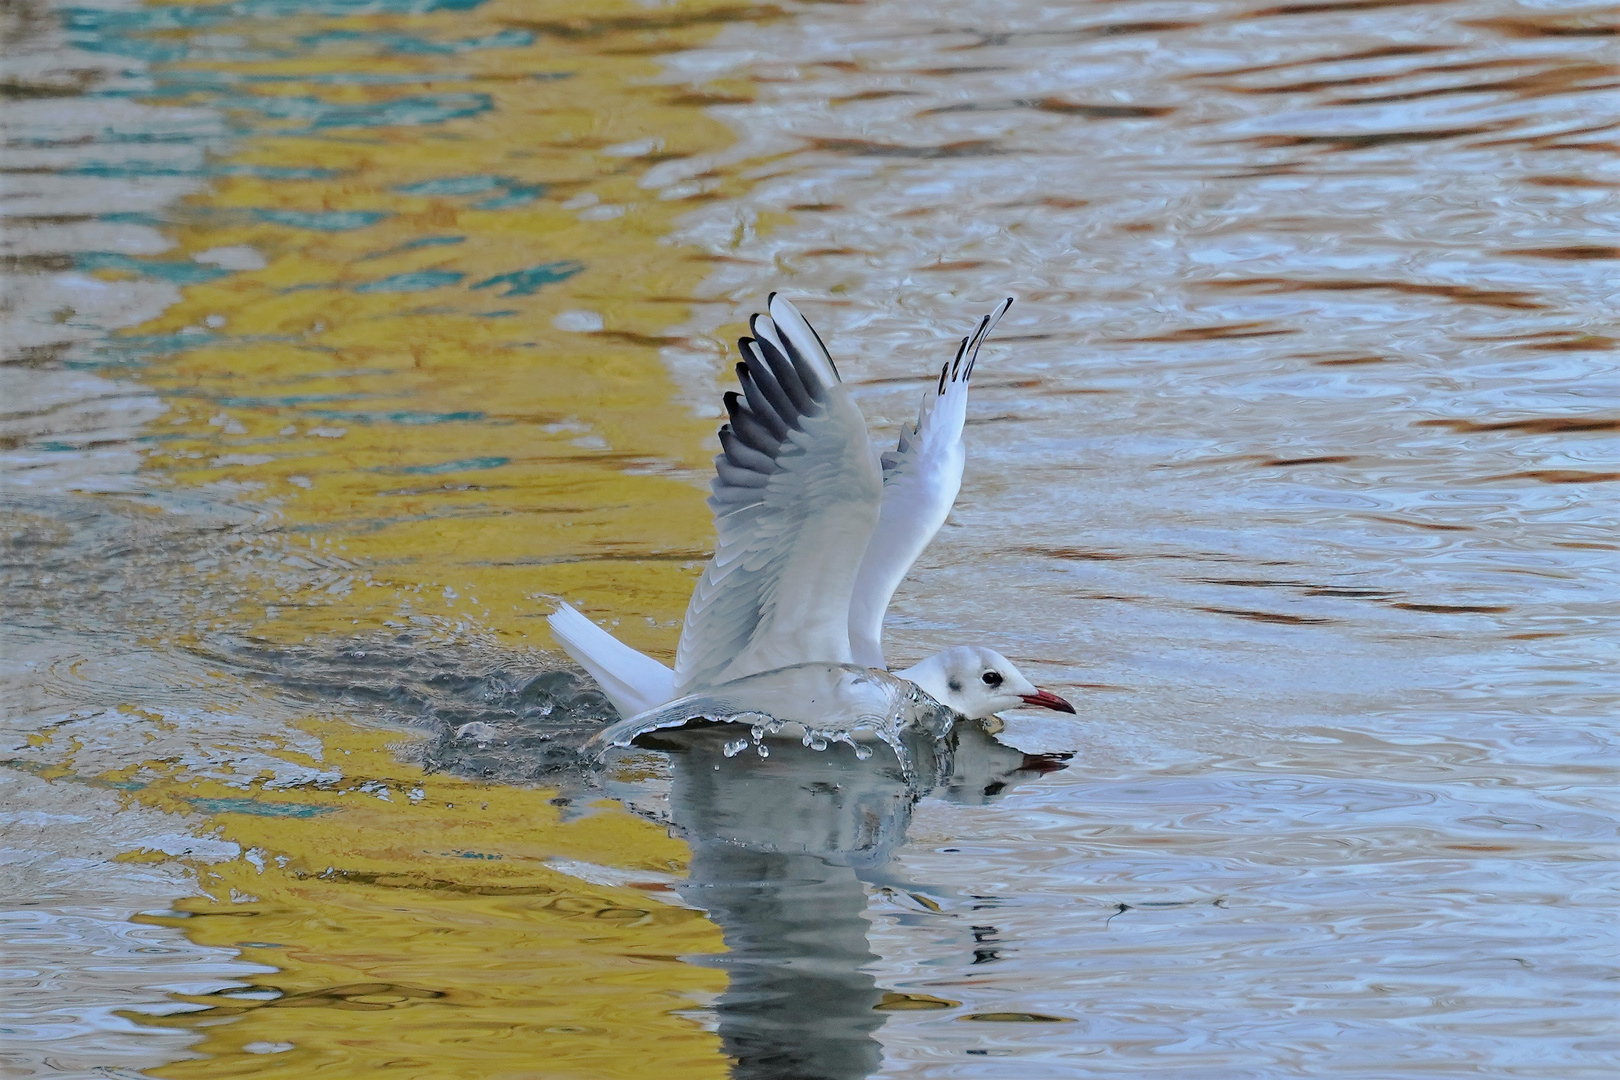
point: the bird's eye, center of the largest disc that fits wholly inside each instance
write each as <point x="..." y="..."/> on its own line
<point x="992" y="678"/>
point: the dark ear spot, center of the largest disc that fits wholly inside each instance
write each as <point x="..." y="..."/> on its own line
<point x="954" y="683"/>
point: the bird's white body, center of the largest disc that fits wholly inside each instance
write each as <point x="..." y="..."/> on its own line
<point x="826" y="702"/>
<point x="815" y="533"/>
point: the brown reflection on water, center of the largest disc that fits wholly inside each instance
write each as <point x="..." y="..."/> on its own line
<point x="1463" y="294"/>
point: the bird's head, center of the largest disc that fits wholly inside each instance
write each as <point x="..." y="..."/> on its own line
<point x="978" y="683"/>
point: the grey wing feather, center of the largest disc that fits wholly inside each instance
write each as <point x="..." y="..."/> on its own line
<point x="795" y="497"/>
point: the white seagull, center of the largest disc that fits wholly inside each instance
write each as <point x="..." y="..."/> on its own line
<point x="815" y="532"/>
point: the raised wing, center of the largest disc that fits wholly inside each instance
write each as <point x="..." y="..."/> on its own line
<point x="921" y="477"/>
<point x="797" y="494"/>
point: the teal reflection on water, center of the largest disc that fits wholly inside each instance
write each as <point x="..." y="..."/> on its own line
<point x="401" y="416"/>
<point x="527" y="282"/>
<point x="412" y="44"/>
<point x="176" y="272"/>
<point x="409" y="111"/>
<point x="322" y="220"/>
<point x="417" y="281"/>
<point x="510" y="192"/>
<point x="258" y="808"/>
<point x="201" y="16"/>
<point x="462" y="465"/>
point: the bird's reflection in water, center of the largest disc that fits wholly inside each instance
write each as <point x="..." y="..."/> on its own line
<point x="782" y="847"/>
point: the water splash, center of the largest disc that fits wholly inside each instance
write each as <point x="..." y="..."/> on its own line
<point x="817" y="705"/>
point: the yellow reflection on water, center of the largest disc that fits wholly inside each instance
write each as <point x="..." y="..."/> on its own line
<point x="401" y="387"/>
<point x="435" y="358"/>
<point x="417" y="921"/>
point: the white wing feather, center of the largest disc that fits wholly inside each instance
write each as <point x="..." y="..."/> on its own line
<point x="796" y="497"/>
<point x="921" y="477"/>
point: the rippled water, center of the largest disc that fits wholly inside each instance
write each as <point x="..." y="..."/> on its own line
<point x="344" y="335"/>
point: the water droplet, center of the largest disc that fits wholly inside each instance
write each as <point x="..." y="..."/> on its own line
<point x="734" y="747"/>
<point x="478" y="731"/>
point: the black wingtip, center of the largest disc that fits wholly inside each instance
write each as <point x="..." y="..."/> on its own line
<point x="979" y="334"/>
<point x="983" y="332"/>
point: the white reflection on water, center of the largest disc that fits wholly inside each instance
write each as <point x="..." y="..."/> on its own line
<point x="785" y="849"/>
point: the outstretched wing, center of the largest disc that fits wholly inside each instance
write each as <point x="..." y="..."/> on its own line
<point x="921" y="477"/>
<point x="797" y="494"/>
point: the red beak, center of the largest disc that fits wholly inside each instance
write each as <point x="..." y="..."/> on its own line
<point x="1048" y="700"/>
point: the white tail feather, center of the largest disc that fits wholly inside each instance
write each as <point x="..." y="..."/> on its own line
<point x="633" y="681"/>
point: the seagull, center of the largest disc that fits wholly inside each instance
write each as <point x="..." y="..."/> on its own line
<point x="815" y="532"/>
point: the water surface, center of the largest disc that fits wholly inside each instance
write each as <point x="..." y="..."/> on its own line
<point x="343" y="338"/>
